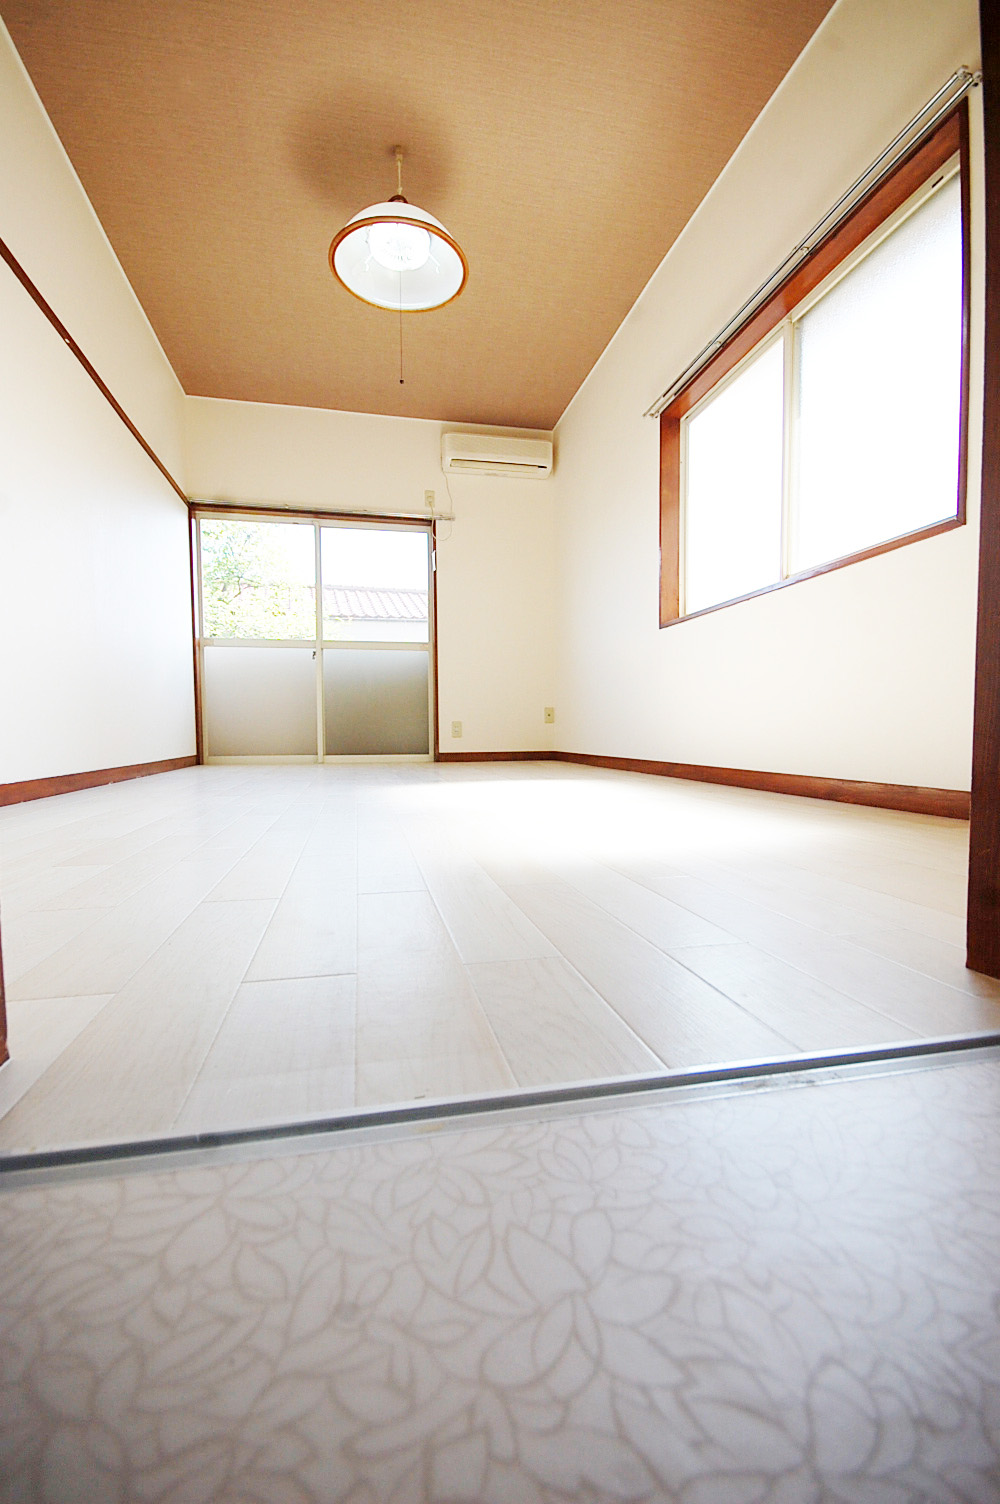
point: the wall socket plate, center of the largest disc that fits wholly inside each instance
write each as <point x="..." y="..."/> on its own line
<point x="429" y="500"/>
<point x="550" y="714"/>
<point x="456" y="728"/>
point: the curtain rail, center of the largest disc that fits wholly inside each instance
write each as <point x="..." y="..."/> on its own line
<point x="923" y="122"/>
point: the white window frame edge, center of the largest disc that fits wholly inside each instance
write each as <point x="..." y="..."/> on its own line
<point x="771" y="338"/>
<point x="920" y="196"/>
<point x="789" y="445"/>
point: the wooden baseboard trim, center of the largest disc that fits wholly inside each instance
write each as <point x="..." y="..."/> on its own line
<point x="67" y="783"/>
<point x="953" y="804"/>
<point x="498" y="756"/>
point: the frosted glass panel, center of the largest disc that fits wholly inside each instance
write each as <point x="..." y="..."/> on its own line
<point x="376" y="702"/>
<point x="879" y="386"/>
<point x="259" y="702"/>
<point x="258" y="579"/>
<point x="732" y="518"/>
<point x="375" y="584"/>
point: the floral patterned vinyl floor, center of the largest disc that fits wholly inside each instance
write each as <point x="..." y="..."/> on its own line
<point x="787" y="1295"/>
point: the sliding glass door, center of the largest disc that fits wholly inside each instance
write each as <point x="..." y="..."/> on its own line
<point x="314" y="639"/>
<point x="376" y="631"/>
<point x="258" y="638"/>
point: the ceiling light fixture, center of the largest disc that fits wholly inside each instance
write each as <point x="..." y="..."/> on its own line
<point x="394" y="255"/>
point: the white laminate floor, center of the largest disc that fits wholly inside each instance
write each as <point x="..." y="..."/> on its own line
<point x="231" y="946"/>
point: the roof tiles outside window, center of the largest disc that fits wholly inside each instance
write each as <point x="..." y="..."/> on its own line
<point x="357" y="604"/>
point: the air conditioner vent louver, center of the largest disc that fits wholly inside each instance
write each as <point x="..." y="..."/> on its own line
<point x="487" y="454"/>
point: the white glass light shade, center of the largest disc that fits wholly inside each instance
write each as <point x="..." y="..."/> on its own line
<point x="388" y="268"/>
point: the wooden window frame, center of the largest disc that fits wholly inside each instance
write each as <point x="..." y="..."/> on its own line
<point x="911" y="174"/>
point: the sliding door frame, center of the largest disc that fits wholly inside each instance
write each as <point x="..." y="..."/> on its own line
<point x="318" y="520"/>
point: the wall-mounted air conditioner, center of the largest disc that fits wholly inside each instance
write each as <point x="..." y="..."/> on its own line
<point x="485" y="454"/>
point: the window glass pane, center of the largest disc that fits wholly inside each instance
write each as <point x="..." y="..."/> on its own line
<point x="375" y="584"/>
<point x="878" y="392"/>
<point x="376" y="701"/>
<point x="258" y="579"/>
<point x="259" y="701"/>
<point x="732" y="519"/>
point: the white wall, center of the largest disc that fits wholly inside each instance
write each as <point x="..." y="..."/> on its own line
<point x="95" y="646"/>
<point x="495" y="560"/>
<point x="862" y="673"/>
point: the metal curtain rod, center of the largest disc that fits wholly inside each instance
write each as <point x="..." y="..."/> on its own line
<point x="922" y="123"/>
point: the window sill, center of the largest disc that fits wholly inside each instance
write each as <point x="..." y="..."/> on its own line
<point x="807" y="574"/>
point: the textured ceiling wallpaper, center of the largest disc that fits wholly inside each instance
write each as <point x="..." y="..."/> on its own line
<point x="564" y="143"/>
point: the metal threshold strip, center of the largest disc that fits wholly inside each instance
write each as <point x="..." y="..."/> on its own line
<point x="800" y="1069"/>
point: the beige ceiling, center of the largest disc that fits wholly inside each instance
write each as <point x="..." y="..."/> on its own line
<point x="564" y="143"/>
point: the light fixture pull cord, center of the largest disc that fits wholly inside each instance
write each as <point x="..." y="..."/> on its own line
<point x="401" y="329"/>
<point x="399" y="190"/>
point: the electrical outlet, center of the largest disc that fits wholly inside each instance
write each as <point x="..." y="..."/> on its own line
<point x="550" y="714"/>
<point x="456" y="728"/>
<point x="429" y="500"/>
